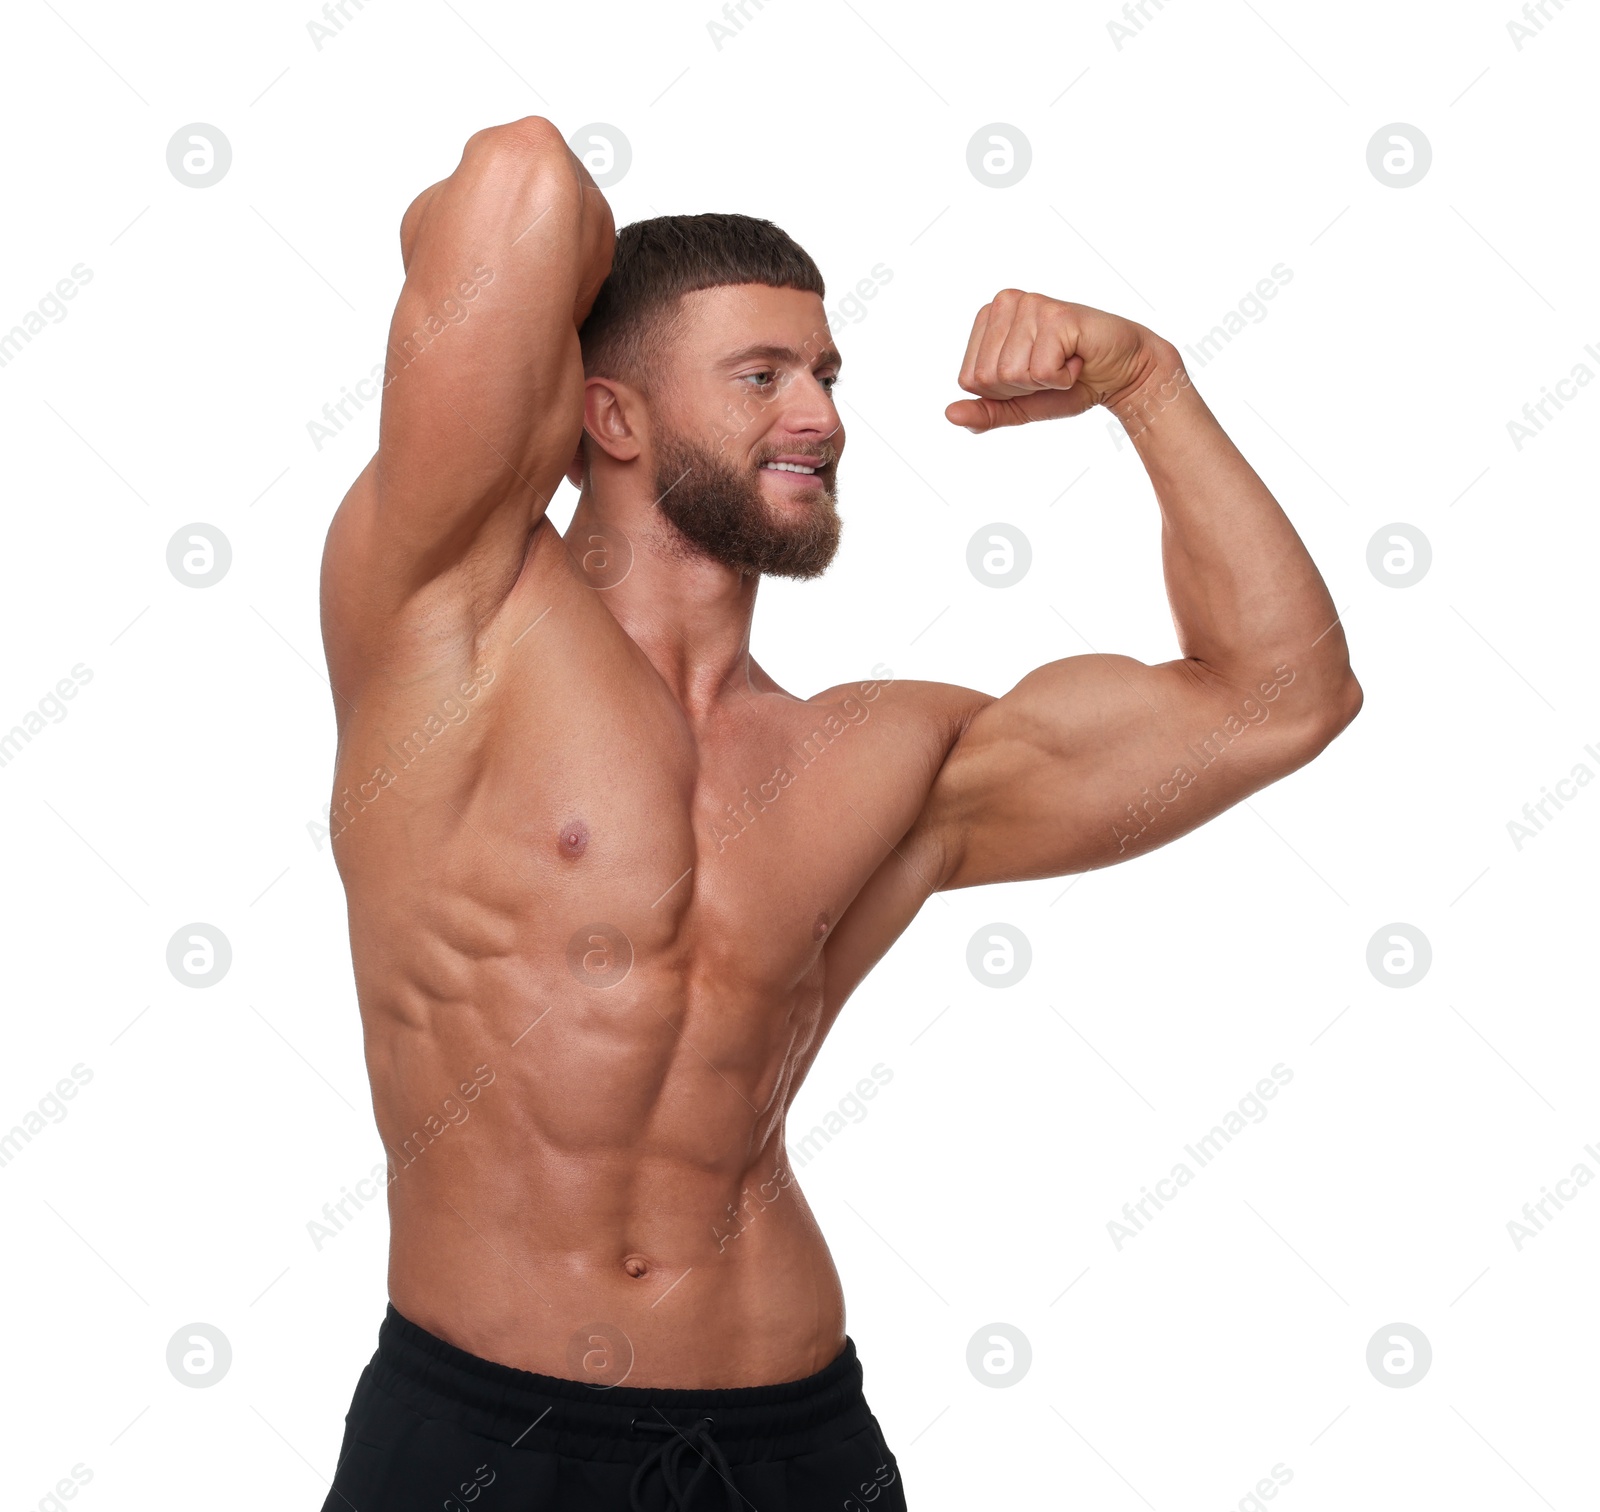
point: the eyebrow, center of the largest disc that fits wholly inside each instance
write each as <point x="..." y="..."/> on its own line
<point x="826" y="356"/>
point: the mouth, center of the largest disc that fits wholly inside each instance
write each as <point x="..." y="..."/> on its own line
<point x="794" y="483"/>
<point x="800" y="476"/>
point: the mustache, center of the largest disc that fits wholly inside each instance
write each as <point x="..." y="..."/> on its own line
<point x="824" y="456"/>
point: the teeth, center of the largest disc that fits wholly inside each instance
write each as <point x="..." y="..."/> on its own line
<point x="793" y="467"/>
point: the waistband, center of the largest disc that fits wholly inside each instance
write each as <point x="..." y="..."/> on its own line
<point x="558" y="1416"/>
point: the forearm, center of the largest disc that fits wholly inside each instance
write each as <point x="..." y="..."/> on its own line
<point x="1245" y="594"/>
<point x="411" y="222"/>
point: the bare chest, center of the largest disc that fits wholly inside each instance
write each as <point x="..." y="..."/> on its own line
<point x="737" y="848"/>
<point x="579" y="827"/>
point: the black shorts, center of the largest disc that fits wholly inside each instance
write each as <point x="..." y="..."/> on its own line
<point x="433" y="1428"/>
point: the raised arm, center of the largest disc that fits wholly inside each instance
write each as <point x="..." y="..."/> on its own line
<point x="1095" y="759"/>
<point x="482" y="391"/>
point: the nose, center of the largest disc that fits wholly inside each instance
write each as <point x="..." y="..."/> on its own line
<point x="808" y="411"/>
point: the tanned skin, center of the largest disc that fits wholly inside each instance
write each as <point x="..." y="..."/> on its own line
<point x="588" y="994"/>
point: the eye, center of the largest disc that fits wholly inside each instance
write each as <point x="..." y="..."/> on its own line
<point x="764" y="376"/>
<point x="829" y="381"/>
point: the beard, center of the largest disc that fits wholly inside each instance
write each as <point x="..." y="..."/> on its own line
<point x="718" y="510"/>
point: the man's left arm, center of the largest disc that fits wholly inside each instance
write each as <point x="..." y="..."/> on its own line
<point x="1095" y="759"/>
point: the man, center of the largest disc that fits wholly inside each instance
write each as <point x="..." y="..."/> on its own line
<point x="609" y="885"/>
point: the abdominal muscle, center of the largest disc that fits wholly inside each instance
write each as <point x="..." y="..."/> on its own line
<point x="593" y="1184"/>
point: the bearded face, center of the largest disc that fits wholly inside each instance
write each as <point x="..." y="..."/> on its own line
<point x="763" y="515"/>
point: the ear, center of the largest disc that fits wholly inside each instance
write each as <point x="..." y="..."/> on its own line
<point x="611" y="414"/>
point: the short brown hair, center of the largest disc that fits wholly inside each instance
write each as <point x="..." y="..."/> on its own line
<point x="658" y="261"/>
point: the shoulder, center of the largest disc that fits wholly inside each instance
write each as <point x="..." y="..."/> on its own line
<point x="907" y="698"/>
<point x="929" y="717"/>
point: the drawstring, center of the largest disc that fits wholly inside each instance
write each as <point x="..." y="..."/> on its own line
<point x="669" y="1455"/>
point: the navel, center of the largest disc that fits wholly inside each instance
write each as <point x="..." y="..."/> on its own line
<point x="573" y="838"/>
<point x="636" y="1266"/>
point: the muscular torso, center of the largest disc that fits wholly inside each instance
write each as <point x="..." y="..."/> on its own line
<point x="598" y="941"/>
<point x="603" y="914"/>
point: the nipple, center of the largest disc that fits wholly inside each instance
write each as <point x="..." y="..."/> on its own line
<point x="820" y="928"/>
<point x="573" y="838"/>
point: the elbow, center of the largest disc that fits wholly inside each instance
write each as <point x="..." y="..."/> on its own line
<point x="527" y="159"/>
<point x="523" y="158"/>
<point x="529" y="155"/>
<point x="1347" y="702"/>
<point x="1334" y="714"/>
<point x="530" y="139"/>
<point x="532" y="158"/>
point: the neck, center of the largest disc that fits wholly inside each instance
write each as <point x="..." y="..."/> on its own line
<point x="690" y="615"/>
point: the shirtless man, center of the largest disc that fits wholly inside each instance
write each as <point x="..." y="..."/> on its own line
<point x="609" y="885"/>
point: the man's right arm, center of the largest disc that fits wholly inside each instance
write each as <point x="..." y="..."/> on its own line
<point x="482" y="400"/>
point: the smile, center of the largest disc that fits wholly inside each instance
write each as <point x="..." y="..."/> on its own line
<point x="793" y="467"/>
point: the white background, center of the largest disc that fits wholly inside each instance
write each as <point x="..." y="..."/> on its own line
<point x="1168" y="175"/>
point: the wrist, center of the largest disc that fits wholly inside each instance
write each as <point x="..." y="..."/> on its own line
<point x="1160" y="382"/>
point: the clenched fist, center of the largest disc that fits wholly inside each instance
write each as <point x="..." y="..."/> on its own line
<point x="1034" y="358"/>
